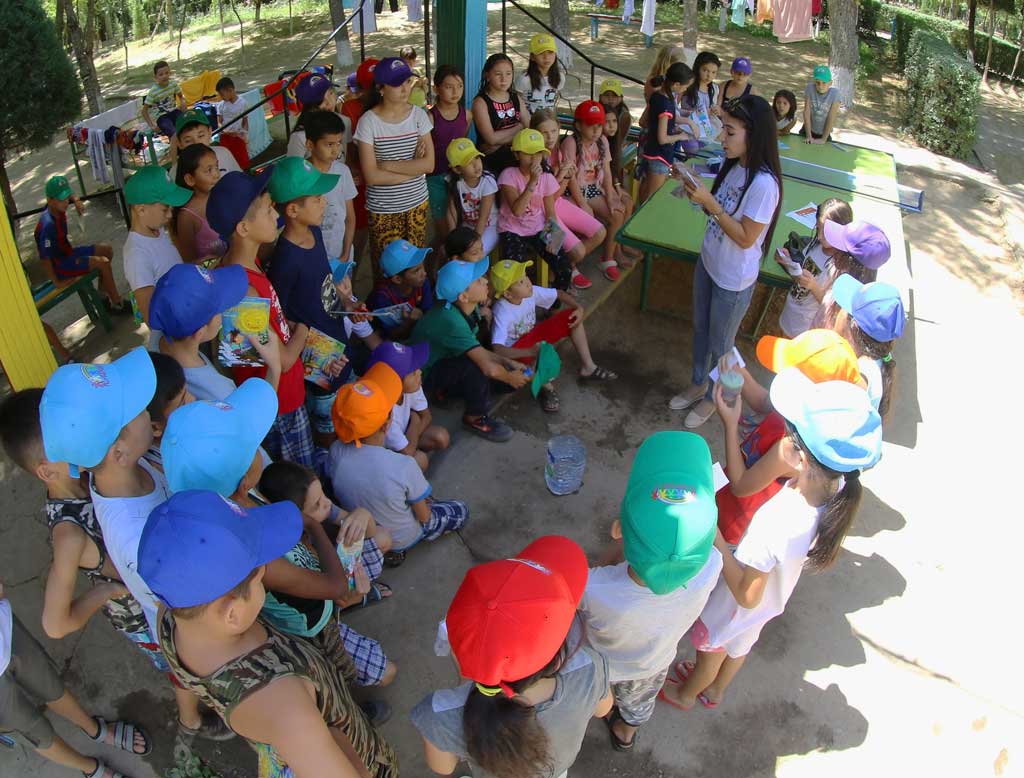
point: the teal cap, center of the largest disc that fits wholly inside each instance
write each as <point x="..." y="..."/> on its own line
<point x="294" y="177"/>
<point x="823" y="73"/>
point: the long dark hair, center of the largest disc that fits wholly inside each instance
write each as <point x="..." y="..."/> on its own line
<point x="188" y="163"/>
<point x="791" y="98"/>
<point x="371" y="98"/>
<point x="554" y="74"/>
<point x="762" y="150"/>
<point x="502" y="735"/>
<point x="489" y="64"/>
<point x="704" y="58"/>
<point x="838" y="513"/>
<point x="866" y="346"/>
<point x="677" y="73"/>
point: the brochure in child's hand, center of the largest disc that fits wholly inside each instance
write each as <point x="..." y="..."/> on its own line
<point x="393" y="315"/>
<point x="249" y="319"/>
<point x="318" y="351"/>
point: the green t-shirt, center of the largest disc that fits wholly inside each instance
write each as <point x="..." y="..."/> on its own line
<point x="449" y="331"/>
<point x="162" y="97"/>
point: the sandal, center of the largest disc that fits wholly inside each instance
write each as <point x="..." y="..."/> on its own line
<point x="666" y="699"/>
<point x="610" y="269"/>
<point x="618" y="743"/>
<point x="124" y="736"/>
<point x="211" y="727"/>
<point x="103" y="770"/>
<point x="548" y="397"/>
<point x="490" y="429"/>
<point x="379" y="592"/>
<point x="394" y="558"/>
<point x="683" y="670"/>
<point x="599" y="374"/>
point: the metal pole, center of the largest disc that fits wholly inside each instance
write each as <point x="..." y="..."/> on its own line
<point x="426" y="39"/>
<point x="504" y="27"/>
<point x="591" y="80"/>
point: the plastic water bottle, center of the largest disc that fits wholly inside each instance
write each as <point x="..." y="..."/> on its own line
<point x="567" y="460"/>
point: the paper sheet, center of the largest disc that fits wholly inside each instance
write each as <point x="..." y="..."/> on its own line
<point x="806" y="216"/>
<point x="719" y="476"/>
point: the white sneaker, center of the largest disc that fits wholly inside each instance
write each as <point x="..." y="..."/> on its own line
<point x="692" y="394"/>
<point x="701" y="412"/>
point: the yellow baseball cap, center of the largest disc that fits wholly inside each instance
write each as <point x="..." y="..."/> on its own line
<point x="529" y="142"/>
<point x="505" y="273"/>
<point x="542" y="42"/>
<point x="461" y="151"/>
<point x="610" y="85"/>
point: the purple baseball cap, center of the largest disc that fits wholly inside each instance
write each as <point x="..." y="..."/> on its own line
<point x="311" y="90"/>
<point x="391" y="71"/>
<point x="742" y="65"/>
<point x="352" y="81"/>
<point x="401" y="358"/>
<point x="865" y="242"/>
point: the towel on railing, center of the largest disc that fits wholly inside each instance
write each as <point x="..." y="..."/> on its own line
<point x="97" y="149"/>
<point x="259" y="134"/>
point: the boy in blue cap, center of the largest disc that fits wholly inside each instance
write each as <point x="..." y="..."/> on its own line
<point x="242" y="211"/>
<point x="458" y="364"/>
<point x="404" y="280"/>
<point x="204" y="557"/>
<point x="94" y="417"/>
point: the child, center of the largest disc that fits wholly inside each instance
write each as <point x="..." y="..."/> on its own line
<point x="395" y="155"/>
<point x="246" y="670"/>
<point x="195" y="239"/>
<point x="784" y="105"/>
<point x="515" y="333"/>
<point x="451" y="122"/>
<point x="148" y="250"/>
<point x="821" y="105"/>
<point x="61" y="260"/>
<point x="325" y="139"/>
<point x="738" y="84"/>
<point x="165" y="99"/>
<point x="315" y="93"/>
<point x="617" y="121"/>
<point x="94" y="417"/>
<point x="658" y="153"/>
<point x="533" y="684"/>
<point x="410" y="432"/>
<point x="458" y="365"/>
<point x="466" y="244"/>
<point x="539" y="84"/>
<point x="593" y="186"/>
<point x="170" y="394"/>
<point x="498" y="113"/>
<point x="836" y="433"/>
<point x="636" y="612"/>
<point x="472" y="193"/>
<point x="700" y="100"/>
<point x="857" y="249"/>
<point x="527" y="217"/>
<point x="404" y="280"/>
<point x="241" y="208"/>
<point x="418" y="94"/>
<point x="666" y="57"/>
<point x="193" y="126"/>
<point x="233" y="134"/>
<point x="389" y="485"/>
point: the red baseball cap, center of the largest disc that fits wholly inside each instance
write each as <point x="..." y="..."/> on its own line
<point x="509" y="618"/>
<point x="590" y="112"/>
<point x="364" y="73"/>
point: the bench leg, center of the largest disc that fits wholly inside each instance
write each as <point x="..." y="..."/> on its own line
<point x="764" y="312"/>
<point x="648" y="41"/>
<point x="593" y="29"/>
<point x="92" y="301"/>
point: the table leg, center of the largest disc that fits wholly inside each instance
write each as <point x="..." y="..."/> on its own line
<point x="648" y="260"/>
<point x="764" y="312"/>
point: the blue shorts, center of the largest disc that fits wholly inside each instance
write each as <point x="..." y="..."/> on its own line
<point x="318" y="406"/>
<point x="645" y="165"/>
<point x="75" y="265"/>
<point x="445" y="516"/>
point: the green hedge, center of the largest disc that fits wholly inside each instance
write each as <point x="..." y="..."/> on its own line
<point x="943" y="95"/>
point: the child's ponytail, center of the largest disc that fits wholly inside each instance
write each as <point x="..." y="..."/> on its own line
<point x="836" y="519"/>
<point x="866" y="346"/>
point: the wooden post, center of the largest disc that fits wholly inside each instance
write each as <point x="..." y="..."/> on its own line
<point x="462" y="39"/>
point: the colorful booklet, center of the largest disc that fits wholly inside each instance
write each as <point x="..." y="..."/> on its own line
<point x="393" y="315"/>
<point x="319" y="350"/>
<point x="249" y="319"/>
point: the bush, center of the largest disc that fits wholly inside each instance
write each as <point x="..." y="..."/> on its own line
<point x="942" y="95"/>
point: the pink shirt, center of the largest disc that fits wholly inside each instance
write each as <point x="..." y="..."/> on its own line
<point x="531" y="221"/>
<point x="589" y="170"/>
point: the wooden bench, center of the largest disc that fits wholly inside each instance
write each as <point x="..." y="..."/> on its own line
<point x="46" y="296"/>
<point x="596" y="19"/>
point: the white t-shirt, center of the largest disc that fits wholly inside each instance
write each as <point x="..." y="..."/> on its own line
<point x="411" y="401"/>
<point x="6" y="627"/>
<point x="230" y="111"/>
<point x="395" y="142"/>
<point x="225" y="161"/>
<point x="122" y="520"/>
<point x="335" y="214"/>
<point x="801" y="306"/>
<point x="730" y="266"/>
<point x="471" y="198"/>
<point x="297" y="145"/>
<point x="777" y="542"/>
<point x="511" y="322"/>
<point x="545" y="96"/>
<point x="147" y="259"/>
<point x="636" y="629"/>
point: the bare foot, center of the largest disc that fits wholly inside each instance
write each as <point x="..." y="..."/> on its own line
<point x="673" y="693"/>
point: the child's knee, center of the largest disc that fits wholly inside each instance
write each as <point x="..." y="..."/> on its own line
<point x="440" y="437"/>
<point x="390" y="671"/>
<point x="383" y="539"/>
<point x="422" y="460"/>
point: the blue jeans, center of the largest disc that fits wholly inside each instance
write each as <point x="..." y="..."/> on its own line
<point x="717" y="314"/>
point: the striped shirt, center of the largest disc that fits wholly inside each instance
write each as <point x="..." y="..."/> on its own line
<point x="395" y="142"/>
<point x="162" y="97"/>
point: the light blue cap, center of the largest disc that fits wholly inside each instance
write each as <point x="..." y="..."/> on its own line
<point x="876" y="307"/>
<point x="455" y="277"/>
<point x="339" y="269"/>
<point x="400" y="255"/>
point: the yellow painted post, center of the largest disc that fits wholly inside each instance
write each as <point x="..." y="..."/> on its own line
<point x="24" y="350"/>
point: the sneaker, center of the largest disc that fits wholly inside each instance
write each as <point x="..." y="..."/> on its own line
<point x="580" y="281"/>
<point x="700" y="413"/>
<point x="377" y="711"/>
<point x="610" y="269"/>
<point x="490" y="429"/>
<point x="692" y="394"/>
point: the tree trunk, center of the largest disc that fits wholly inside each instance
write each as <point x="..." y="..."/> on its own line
<point x="60" y="23"/>
<point x="690" y="13"/>
<point x="181" y="28"/>
<point x="972" y="19"/>
<point x="342" y="44"/>
<point x="170" y="20"/>
<point x="241" y="34"/>
<point x="991" y="35"/>
<point x="707" y="6"/>
<point x="844" y="55"/>
<point x="156" y="24"/>
<point x="5" y="190"/>
<point x="259" y="6"/>
<point x="560" y="24"/>
<point x="220" y="13"/>
<point x="1016" y="60"/>
<point x="81" y="46"/>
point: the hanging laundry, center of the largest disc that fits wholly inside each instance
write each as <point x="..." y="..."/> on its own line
<point x="415" y="8"/>
<point x="792" y="20"/>
<point x="764" y="11"/>
<point x="627" y="10"/>
<point x="259" y="134"/>
<point x="647" y="22"/>
<point x="366" y="20"/>
<point x="96" y="147"/>
<point x="739" y="13"/>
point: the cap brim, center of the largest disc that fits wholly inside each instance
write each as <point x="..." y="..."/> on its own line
<point x="175" y="196"/>
<point x="835" y="235"/>
<point x="788" y="394"/>
<point x="62" y="194"/>
<point x="278" y="527"/>
<point x="420" y="355"/>
<point x="255" y="401"/>
<point x="844" y="290"/>
<point x="772" y="352"/>
<point x="324" y="184"/>
<point x="563" y="556"/>
<point x="677" y="455"/>
<point x="137" y="376"/>
<point x="230" y="283"/>
<point x="384" y="376"/>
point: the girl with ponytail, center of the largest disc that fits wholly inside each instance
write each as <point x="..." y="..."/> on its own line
<point x="835" y="433"/>
<point x="533" y="687"/>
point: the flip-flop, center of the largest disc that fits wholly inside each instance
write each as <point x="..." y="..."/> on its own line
<point x="599" y="374"/>
<point x="373" y="597"/>
<point x="394" y="558"/>
<point x="549" y="401"/>
<point x="683" y="670"/>
<point x="702" y="698"/>
<point x="665" y="698"/>
<point x="617" y="743"/>
<point x="124" y="736"/>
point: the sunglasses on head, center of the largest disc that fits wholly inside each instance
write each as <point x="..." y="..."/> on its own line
<point x="736" y="108"/>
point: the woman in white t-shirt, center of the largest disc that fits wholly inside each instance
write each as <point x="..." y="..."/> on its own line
<point x="835" y="433"/>
<point x="743" y="206"/>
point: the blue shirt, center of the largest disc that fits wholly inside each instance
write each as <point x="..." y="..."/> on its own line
<point x="52" y="236"/>
<point x="386" y="294"/>
<point x="660" y="105"/>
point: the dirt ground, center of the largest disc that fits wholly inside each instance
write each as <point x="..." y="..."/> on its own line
<point x="877" y="665"/>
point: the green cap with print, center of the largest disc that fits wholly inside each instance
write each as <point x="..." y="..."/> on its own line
<point x="152" y="184"/>
<point x="669" y="515"/>
<point x="823" y="73"/>
<point x="58" y="188"/>
<point x="294" y="177"/>
<point x="191" y="116"/>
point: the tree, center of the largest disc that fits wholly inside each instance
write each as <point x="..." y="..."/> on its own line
<point x="844" y="54"/>
<point x="1020" y="47"/>
<point x="972" y="18"/>
<point x="30" y="117"/>
<point x="560" y="24"/>
<point x="991" y="35"/>
<point x="690" y="21"/>
<point x="82" y="47"/>
<point x="342" y="44"/>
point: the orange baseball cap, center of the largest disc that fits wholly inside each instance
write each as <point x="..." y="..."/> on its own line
<point x="361" y="408"/>
<point x="821" y="355"/>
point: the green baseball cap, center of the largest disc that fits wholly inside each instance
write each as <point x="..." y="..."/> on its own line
<point x="294" y="177"/>
<point x="58" y="188"/>
<point x="191" y="116"/>
<point x="823" y="73"/>
<point x="669" y="515"/>
<point x="152" y="184"/>
<point x="546" y="368"/>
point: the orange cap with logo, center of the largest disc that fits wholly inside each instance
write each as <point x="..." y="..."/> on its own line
<point x="361" y="408"/>
<point x="821" y="355"/>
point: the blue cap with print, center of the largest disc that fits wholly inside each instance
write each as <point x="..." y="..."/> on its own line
<point x="455" y="277"/>
<point x="400" y="255"/>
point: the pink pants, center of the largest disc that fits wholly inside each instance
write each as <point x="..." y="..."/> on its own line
<point x="575" y="222"/>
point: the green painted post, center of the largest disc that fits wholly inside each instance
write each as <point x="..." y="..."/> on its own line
<point x="462" y="39"/>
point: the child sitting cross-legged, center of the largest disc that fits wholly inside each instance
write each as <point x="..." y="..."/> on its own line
<point x="404" y="280"/>
<point x="516" y="334"/>
<point x="390" y="485"/>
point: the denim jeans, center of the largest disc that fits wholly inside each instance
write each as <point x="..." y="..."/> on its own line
<point x="717" y="314"/>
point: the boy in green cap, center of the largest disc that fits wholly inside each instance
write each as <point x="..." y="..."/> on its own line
<point x="636" y="612"/>
<point x="821" y="104"/>
<point x="192" y="127"/>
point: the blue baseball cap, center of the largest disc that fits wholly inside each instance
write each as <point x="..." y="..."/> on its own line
<point x="400" y="255"/>
<point x="876" y="307"/>
<point x="392" y="71"/>
<point x="231" y="197"/>
<point x="211" y="445"/>
<point x="742" y="65"/>
<point x="197" y="546"/>
<point x="340" y="269"/>
<point x="455" y="277"/>
<point x="85" y="407"/>
<point x="835" y="419"/>
<point x="311" y="90"/>
<point x="401" y="358"/>
<point x="187" y="297"/>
